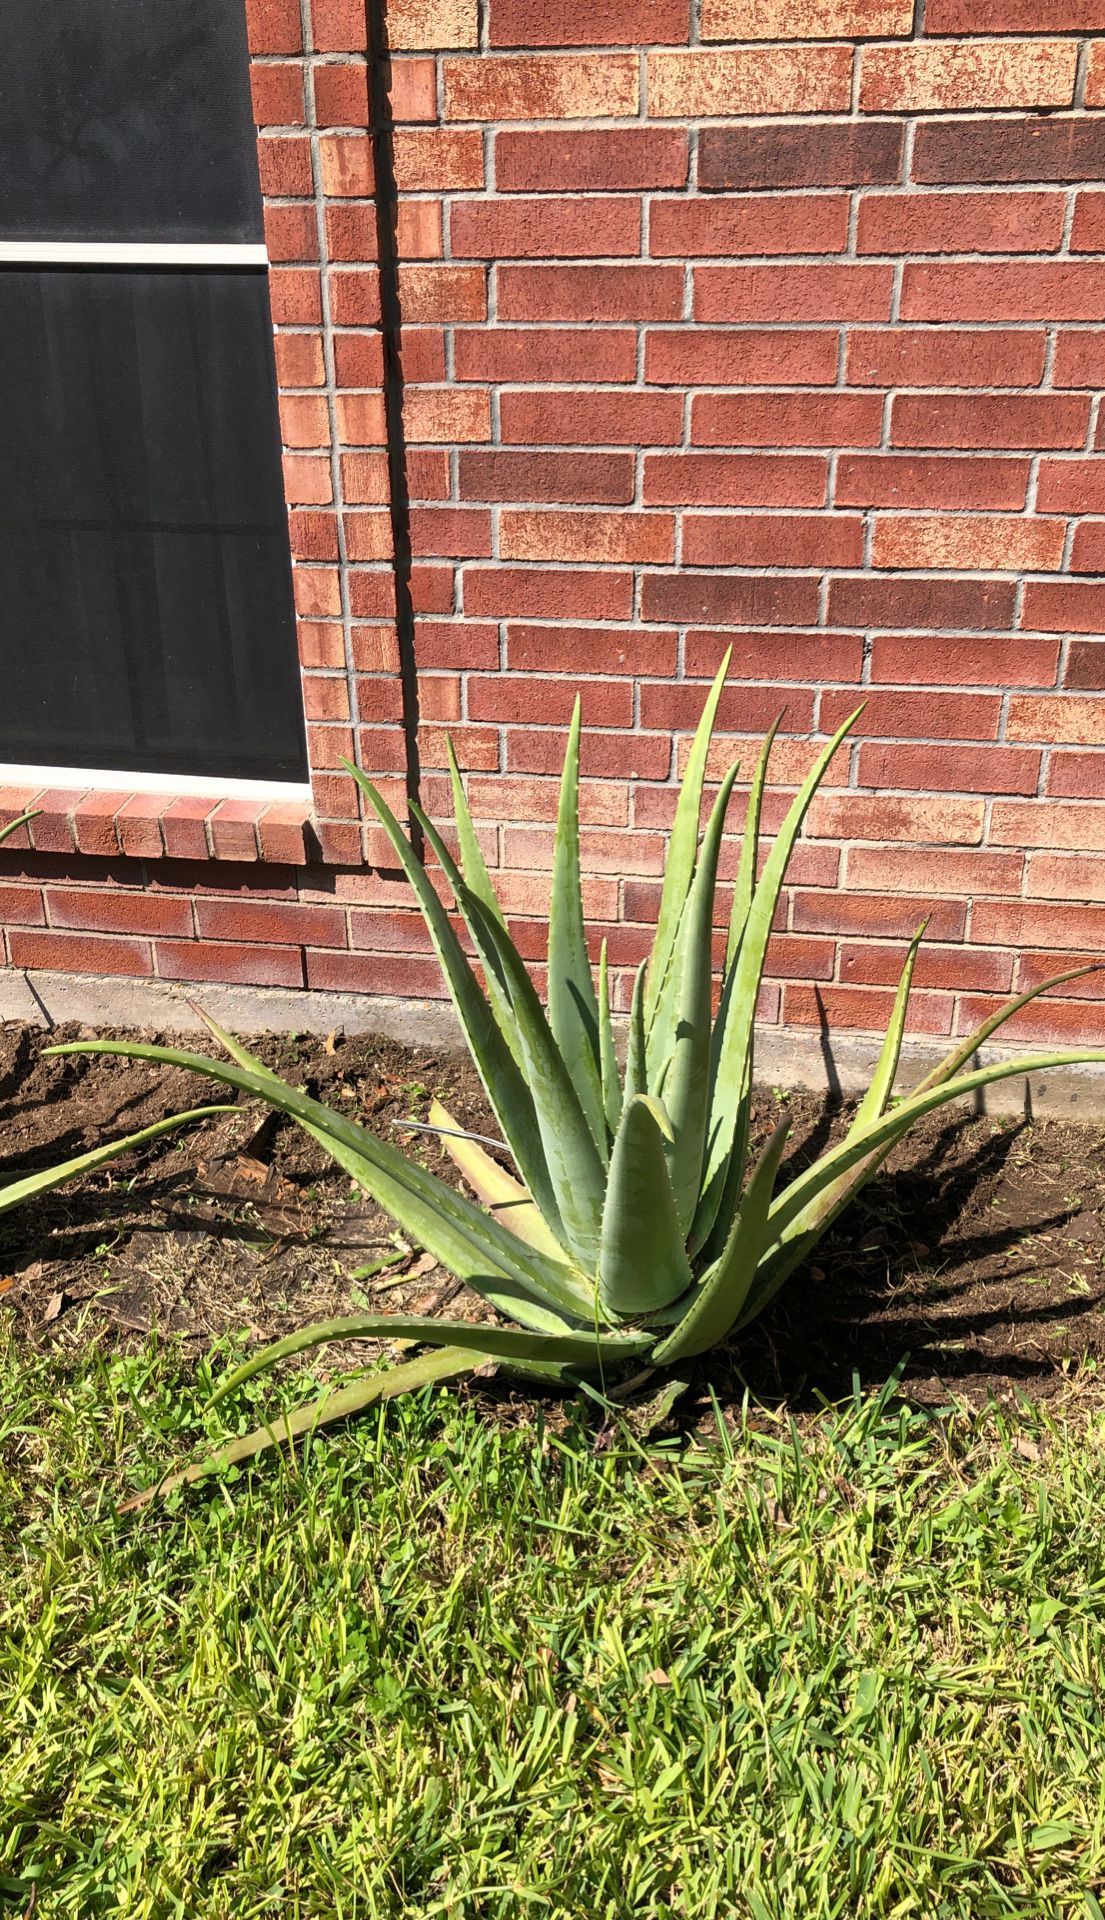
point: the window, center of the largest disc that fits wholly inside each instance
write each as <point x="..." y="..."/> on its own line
<point x="147" y="633"/>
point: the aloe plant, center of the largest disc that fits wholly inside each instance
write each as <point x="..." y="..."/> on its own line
<point x="634" y="1225"/>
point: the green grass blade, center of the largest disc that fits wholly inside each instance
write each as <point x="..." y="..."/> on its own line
<point x="682" y="845"/>
<point x="608" y="1059"/>
<point x="750" y="846"/>
<point x="717" y="1303"/>
<point x="32" y="1184"/>
<point x="576" y="1172"/>
<point x="388" y="1384"/>
<point x="738" y="1027"/>
<point x="643" y="1265"/>
<point x="687" y="1067"/>
<point x="473" y="865"/>
<point x="636" y="1059"/>
<point x="573" y="1008"/>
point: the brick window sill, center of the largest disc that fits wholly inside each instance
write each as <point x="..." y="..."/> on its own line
<point x="159" y="826"/>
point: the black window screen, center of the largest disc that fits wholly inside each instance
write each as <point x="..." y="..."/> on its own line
<point x="146" y="616"/>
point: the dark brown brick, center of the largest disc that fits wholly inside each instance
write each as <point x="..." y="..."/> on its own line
<point x="947" y="152"/>
<point x="812" y="154"/>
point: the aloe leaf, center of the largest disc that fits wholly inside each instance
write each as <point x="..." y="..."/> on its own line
<point x="13" y="826"/>
<point x="608" y="1059"/>
<point x="643" y="1264"/>
<point x="465" y="1239"/>
<point x="683" y="844"/>
<point x="878" y="1094"/>
<point x="32" y="1184"/>
<point x="573" y="1008"/>
<point x="716" y="1304"/>
<point x="735" y="1041"/>
<point x="960" y="1055"/>
<point x="501" y="1075"/>
<point x="474" y="867"/>
<point x="576" y="1173"/>
<point x="636" y="1058"/>
<point x="505" y="1197"/>
<point x="687" y="1067"/>
<point x="387" y="1384"/>
<point x="498" y="1343"/>
<point x="750" y="846"/>
<point x="496" y="991"/>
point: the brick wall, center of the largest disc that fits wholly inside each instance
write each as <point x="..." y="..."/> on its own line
<point x="723" y="322"/>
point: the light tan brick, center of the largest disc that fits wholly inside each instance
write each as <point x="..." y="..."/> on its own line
<point x="978" y="542"/>
<point x="967" y="75"/>
<point x="542" y="86"/>
<point x="439" y="414"/>
<point x="417" y="25"/>
<point x="805" y="19"/>
<point x="750" y="80"/>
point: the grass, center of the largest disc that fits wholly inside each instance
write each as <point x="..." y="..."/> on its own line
<point x="449" y="1666"/>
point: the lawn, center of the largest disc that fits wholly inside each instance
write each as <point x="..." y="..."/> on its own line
<point x="480" y="1658"/>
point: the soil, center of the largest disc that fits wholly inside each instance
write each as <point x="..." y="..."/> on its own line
<point x="977" y="1254"/>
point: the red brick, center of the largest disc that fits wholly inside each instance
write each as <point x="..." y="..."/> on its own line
<point x="1088" y="548"/>
<point x="810" y="154"/>
<point x="444" y="414"/>
<point x="404" y="975"/>
<point x="542" y="87"/>
<point x="933" y="480"/>
<point x="412" y="89"/>
<point x="734" y="480"/>
<point x="547" y="593"/>
<point x="291" y="233"/>
<point x="947" y="152"/>
<point x="548" y="703"/>
<point x="456" y="643"/>
<point x="772" y="540"/>
<point x="338" y="26"/>
<point x="743" y="600"/>
<point x="591" y="419"/>
<point x="1021" y="290"/>
<point x="555" y="354"/>
<point x="282" y="832"/>
<point x="921" y="603"/>
<point x="184" y="828"/>
<point x="326" y="698"/>
<point x="921" y="715"/>
<point x="877" y="817"/>
<point x="907" y="223"/>
<point x="1014" y="16"/>
<point x="590" y="293"/>
<point x="1088" y="229"/>
<point x="804" y="293"/>
<point x="1076" y="606"/>
<point x="607" y="159"/>
<point x="458" y="533"/>
<point x="952" y="357"/>
<point x="76" y="953"/>
<point x="574" y="650"/>
<point x="368" y="536"/>
<point x="741" y="709"/>
<point x="307" y="480"/>
<point x="1012" y="924"/>
<point x="950" y="967"/>
<point x="437" y="159"/>
<point x="233" y="829"/>
<point x="99" y="910"/>
<point x="783" y="223"/>
<point x="607" y="23"/>
<point x="304" y="421"/>
<point x="94" y="822"/>
<point x="351" y="232"/>
<point x="21" y="906"/>
<point x="277" y="94"/>
<point x="1095" y="76"/>
<point x="1077" y="776"/>
<point x="1066" y="877"/>
<point x="1048" y="1021"/>
<point x="273" y="26"/>
<point x="52" y="830"/>
<point x="341" y="96"/>
<point x="816" y="657"/>
<point x="959" y="660"/>
<point x="893" y="870"/>
<point x="627" y="756"/>
<point x="976" y="542"/>
<point x="595" y="478"/>
<point x="945" y="769"/>
<point x="876" y="915"/>
<point x="138" y="825"/>
<point x="1053" y="824"/>
<point x="703" y="356"/>
<point x="979" y="420"/>
<point x="598" y="537"/>
<point x="284" y="163"/>
<point x="295" y="296"/>
<point x="299" y="360"/>
<point x="313" y="536"/>
<point x="764" y="419"/>
<point x="1086" y="665"/>
<point x="1071" y="486"/>
<point x="271" y="922"/>
<point x="602" y="803"/>
<point x="1062" y="719"/>
<point x="864" y="1008"/>
<point x="355" y="295"/>
<point x="1078" y="357"/>
<point x="247" y="966"/>
<point x="443" y="293"/>
<point x="548" y="228"/>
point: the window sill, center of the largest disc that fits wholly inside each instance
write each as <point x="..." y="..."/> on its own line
<point x="160" y="826"/>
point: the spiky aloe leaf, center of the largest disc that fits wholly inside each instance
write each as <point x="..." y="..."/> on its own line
<point x="501" y="1075"/>
<point x="959" y="1056"/>
<point x="504" y="1196"/>
<point x="750" y="846"/>
<point x="465" y="1239"/>
<point x="576" y="1172"/>
<point x="687" y="1067"/>
<point x="724" y="1288"/>
<point x="608" y="1059"/>
<point x="682" y="845"/>
<point x="473" y="865"/>
<point x="636" y="1057"/>
<point x="13" y="826"/>
<point x="738" y="1013"/>
<point x="32" y="1184"/>
<point x="496" y="991"/>
<point x="643" y="1264"/>
<point x="573" y="1008"/>
<point x="387" y="1384"/>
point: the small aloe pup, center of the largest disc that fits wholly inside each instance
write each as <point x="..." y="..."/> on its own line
<point x="634" y="1225"/>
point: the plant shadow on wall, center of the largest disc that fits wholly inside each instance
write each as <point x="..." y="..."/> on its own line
<point x="640" y="1224"/>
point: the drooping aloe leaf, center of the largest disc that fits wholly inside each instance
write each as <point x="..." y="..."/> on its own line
<point x="473" y="865"/>
<point x="687" y="1068"/>
<point x="750" y="847"/>
<point x="488" y="1340"/>
<point x="32" y="1184"/>
<point x="576" y="1172"/>
<point x="465" y="1239"/>
<point x="496" y="991"/>
<point x="387" y="1384"/>
<point x="573" y="1008"/>
<point x="683" y="844"/>
<point x="724" y="1288"/>
<point x="608" y="1059"/>
<point x="636" y="1057"/>
<point x="960" y="1055"/>
<point x="13" y="826"/>
<point x="643" y="1264"/>
<point x="737" y="1019"/>
<point x="504" y="1196"/>
<point x="502" y="1078"/>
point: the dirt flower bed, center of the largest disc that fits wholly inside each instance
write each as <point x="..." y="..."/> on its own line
<point x="979" y="1251"/>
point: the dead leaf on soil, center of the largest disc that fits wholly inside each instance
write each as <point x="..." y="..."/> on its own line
<point x="53" y="1307"/>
